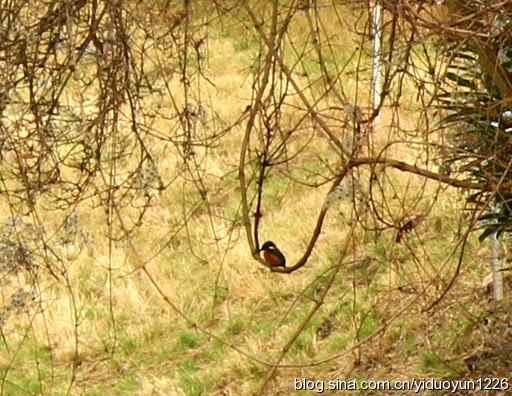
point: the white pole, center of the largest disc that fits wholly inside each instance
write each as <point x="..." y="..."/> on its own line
<point x="376" y="66"/>
<point x="497" y="275"/>
<point x="376" y="90"/>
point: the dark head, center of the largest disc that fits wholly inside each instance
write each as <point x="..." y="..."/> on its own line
<point x="272" y="255"/>
<point x="269" y="245"/>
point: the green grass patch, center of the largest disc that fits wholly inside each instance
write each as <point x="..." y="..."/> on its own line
<point x="370" y="322"/>
<point x="129" y="345"/>
<point x="220" y="294"/>
<point x="264" y="328"/>
<point x="128" y="384"/>
<point x="215" y="353"/>
<point x="188" y="340"/>
<point x="236" y="326"/>
<point x="338" y="342"/>
<point x="246" y="42"/>
<point x="95" y="392"/>
<point x="193" y="381"/>
<point x="431" y="362"/>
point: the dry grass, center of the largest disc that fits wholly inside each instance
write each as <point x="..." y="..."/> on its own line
<point x="122" y="338"/>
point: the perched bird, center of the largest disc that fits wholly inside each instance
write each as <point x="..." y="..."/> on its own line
<point x="273" y="255"/>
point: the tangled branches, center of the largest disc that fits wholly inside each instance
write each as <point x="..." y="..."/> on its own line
<point x="110" y="116"/>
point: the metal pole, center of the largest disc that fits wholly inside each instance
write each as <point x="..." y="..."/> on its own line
<point x="376" y="89"/>
<point x="497" y="275"/>
<point x="376" y="66"/>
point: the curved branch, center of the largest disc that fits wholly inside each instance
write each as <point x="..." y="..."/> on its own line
<point x="405" y="167"/>
<point x="245" y="145"/>
<point x="400" y="165"/>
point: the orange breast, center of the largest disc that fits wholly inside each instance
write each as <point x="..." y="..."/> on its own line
<point x="272" y="259"/>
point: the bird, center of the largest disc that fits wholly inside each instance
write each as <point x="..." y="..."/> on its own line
<point x="272" y="255"/>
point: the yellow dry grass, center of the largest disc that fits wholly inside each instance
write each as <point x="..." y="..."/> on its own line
<point x="107" y="299"/>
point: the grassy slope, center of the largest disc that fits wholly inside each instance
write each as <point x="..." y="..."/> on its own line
<point x="231" y="296"/>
